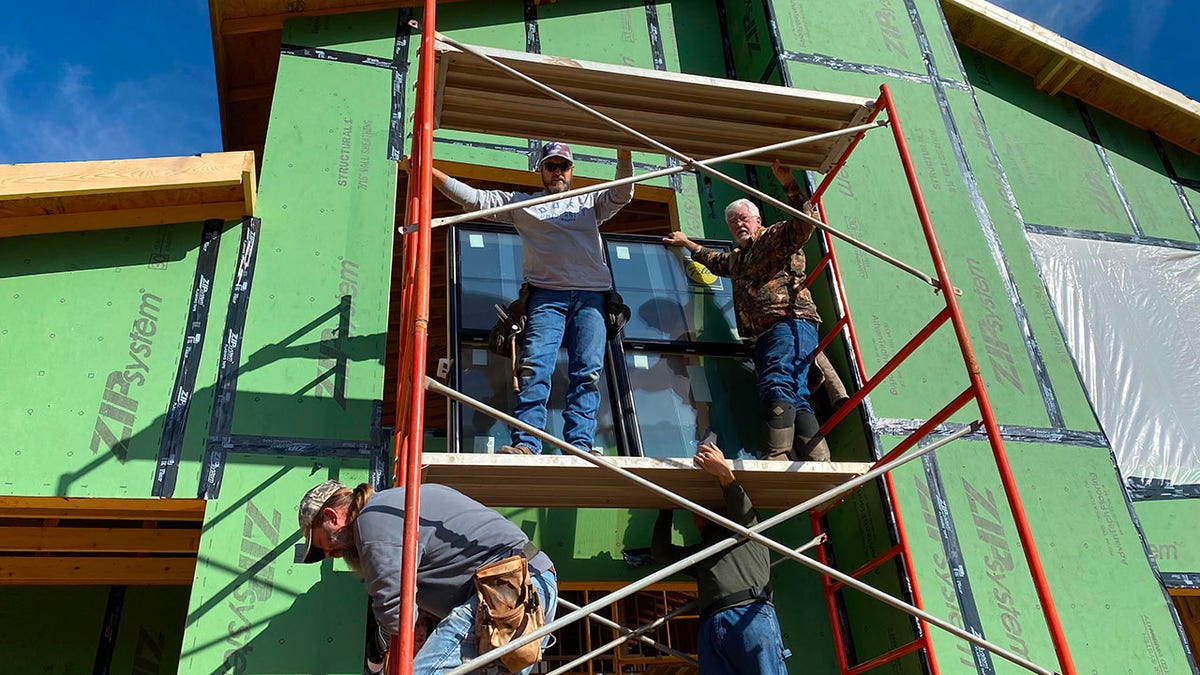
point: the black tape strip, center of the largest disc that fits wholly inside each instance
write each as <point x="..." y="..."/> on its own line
<point x="533" y="45"/>
<point x="175" y="423"/>
<point x="1175" y="181"/>
<point x="1115" y="237"/>
<point x="380" y="458"/>
<point x="656" y="43"/>
<point x="988" y="227"/>
<point x="323" y="54"/>
<point x="108" y="630"/>
<point x="1155" y="489"/>
<point x="776" y="47"/>
<point x="213" y="466"/>
<point x="284" y="446"/>
<point x="726" y="42"/>
<point x="956" y="565"/>
<point x="1008" y="432"/>
<point x="1086" y="116"/>
<point x="1181" y="579"/>
<point x="840" y="65"/>
<point x="400" y="52"/>
<point x="660" y="63"/>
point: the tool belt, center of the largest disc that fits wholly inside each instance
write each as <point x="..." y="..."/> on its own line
<point x="509" y="608"/>
<point x="504" y="339"/>
<point x="755" y="593"/>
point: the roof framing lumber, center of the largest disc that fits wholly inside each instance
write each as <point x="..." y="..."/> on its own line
<point x="102" y="508"/>
<point x="84" y="571"/>
<point x="71" y="196"/>
<point x="555" y="481"/>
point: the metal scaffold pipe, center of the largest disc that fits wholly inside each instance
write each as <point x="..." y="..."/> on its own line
<point x="659" y="173"/>
<point x="686" y="160"/>
<point x="639" y="633"/>
<point x="752" y="533"/>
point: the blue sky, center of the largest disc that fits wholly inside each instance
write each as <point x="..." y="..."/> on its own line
<point x="134" y="78"/>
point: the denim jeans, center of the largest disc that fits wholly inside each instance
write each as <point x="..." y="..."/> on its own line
<point x="554" y="318"/>
<point x="742" y="640"/>
<point x="782" y="356"/>
<point x="452" y="643"/>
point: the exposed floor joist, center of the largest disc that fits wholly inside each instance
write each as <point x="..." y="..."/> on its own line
<point x="554" y="481"/>
<point x="99" y="541"/>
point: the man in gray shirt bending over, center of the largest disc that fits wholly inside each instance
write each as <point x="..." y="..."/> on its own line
<point x="569" y="284"/>
<point x="455" y="536"/>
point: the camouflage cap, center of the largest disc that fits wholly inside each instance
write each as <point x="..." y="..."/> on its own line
<point x="310" y="505"/>
<point x="554" y="149"/>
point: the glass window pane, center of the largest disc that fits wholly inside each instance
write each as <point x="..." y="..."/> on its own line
<point x="679" y="398"/>
<point x="489" y="274"/>
<point x="488" y="378"/>
<point x="672" y="299"/>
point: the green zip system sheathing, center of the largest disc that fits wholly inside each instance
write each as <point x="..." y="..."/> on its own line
<point x="104" y="318"/>
<point x="311" y="362"/>
<point x="962" y="155"/>
<point x="61" y="629"/>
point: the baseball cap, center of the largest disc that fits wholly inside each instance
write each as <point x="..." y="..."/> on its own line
<point x="554" y="149"/>
<point x="310" y="506"/>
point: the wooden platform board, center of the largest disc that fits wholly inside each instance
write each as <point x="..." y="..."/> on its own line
<point x="570" y="482"/>
<point x="699" y="116"/>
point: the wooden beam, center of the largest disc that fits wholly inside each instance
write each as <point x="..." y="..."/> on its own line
<point x="107" y="220"/>
<point x="99" y="540"/>
<point x="553" y="481"/>
<point x="103" y="508"/>
<point x="92" y="571"/>
<point x="65" y="179"/>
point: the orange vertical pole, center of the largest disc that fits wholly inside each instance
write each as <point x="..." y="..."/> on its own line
<point x="1024" y="532"/>
<point x="419" y="303"/>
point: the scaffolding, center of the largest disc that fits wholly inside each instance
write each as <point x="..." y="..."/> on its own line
<point x="414" y="383"/>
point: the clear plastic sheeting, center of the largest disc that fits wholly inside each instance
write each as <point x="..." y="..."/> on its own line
<point x="1131" y="314"/>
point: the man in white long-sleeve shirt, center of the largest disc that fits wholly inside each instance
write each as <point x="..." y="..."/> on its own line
<point x="569" y="284"/>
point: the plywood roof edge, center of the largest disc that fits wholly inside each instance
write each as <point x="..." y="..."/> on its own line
<point x="1044" y="37"/>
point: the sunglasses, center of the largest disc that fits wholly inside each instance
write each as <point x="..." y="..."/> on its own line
<point x="557" y="166"/>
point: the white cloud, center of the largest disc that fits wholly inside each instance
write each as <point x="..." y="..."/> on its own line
<point x="1145" y="21"/>
<point x="1065" y="17"/>
<point x="66" y="112"/>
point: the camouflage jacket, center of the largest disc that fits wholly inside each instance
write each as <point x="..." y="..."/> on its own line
<point x="768" y="274"/>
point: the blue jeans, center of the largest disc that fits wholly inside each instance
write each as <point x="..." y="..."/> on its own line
<point x="452" y="643"/>
<point x="781" y="358"/>
<point x="742" y="641"/>
<point x="553" y="318"/>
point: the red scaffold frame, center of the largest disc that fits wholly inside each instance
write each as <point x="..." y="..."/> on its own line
<point x="410" y="397"/>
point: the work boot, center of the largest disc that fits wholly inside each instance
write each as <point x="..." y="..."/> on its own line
<point x="515" y="450"/>
<point x="809" y="445"/>
<point x="781" y="417"/>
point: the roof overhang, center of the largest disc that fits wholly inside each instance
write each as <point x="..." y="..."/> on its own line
<point x="1059" y="65"/>
<point x="246" y="38"/>
<point x="72" y="196"/>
